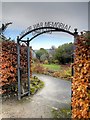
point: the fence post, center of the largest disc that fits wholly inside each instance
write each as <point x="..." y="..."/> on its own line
<point x="28" y="57"/>
<point x="75" y="36"/>
<point x="18" y="57"/>
<point x="73" y="55"/>
<point x="72" y="71"/>
<point x="30" y="61"/>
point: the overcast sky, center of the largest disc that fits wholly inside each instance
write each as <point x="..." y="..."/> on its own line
<point x="24" y="14"/>
<point x="45" y="0"/>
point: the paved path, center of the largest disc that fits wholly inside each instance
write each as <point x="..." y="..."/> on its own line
<point x="56" y="93"/>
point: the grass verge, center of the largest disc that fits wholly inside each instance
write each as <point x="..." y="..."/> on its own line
<point x="35" y="85"/>
<point x="60" y="71"/>
<point x="53" y="67"/>
<point x="61" y="113"/>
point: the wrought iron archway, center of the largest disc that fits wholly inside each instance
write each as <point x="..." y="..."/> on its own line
<point x="20" y="39"/>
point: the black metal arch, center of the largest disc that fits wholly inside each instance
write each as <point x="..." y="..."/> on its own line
<point x="52" y="29"/>
<point x="43" y="33"/>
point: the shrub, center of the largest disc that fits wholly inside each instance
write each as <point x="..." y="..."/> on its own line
<point x="63" y="73"/>
<point x="38" y="68"/>
<point x="56" y="62"/>
<point x="8" y="67"/>
<point x="46" y="62"/>
<point x="80" y="84"/>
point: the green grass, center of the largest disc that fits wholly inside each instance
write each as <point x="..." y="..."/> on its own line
<point x="36" y="85"/>
<point x="61" y="113"/>
<point x="52" y="67"/>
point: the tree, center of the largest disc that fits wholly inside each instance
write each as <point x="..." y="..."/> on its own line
<point x="52" y="54"/>
<point x="53" y="47"/>
<point x="42" y="52"/>
<point x="44" y="57"/>
<point x="4" y="26"/>
<point x="2" y="29"/>
<point x="87" y="36"/>
<point x="64" y="53"/>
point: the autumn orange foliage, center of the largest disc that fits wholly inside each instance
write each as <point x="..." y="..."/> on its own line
<point x="81" y="79"/>
<point x="8" y="66"/>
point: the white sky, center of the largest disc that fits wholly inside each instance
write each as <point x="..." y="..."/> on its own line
<point x="24" y="14"/>
<point x="45" y="0"/>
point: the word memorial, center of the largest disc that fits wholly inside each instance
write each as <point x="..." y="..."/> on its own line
<point x="45" y="25"/>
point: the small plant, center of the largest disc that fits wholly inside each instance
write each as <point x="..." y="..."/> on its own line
<point x="56" y="61"/>
<point x="38" y="68"/>
<point x="68" y="72"/>
<point x="61" y="113"/>
<point x="35" y="85"/>
<point x="46" y="62"/>
<point x="63" y="73"/>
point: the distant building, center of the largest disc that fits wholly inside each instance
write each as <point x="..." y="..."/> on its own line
<point x="33" y="54"/>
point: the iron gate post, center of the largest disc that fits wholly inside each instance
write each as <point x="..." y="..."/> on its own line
<point x="28" y="57"/>
<point x="72" y="71"/>
<point x="75" y="36"/>
<point x="18" y="57"/>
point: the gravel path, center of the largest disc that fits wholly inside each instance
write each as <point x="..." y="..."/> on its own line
<point x="55" y="94"/>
